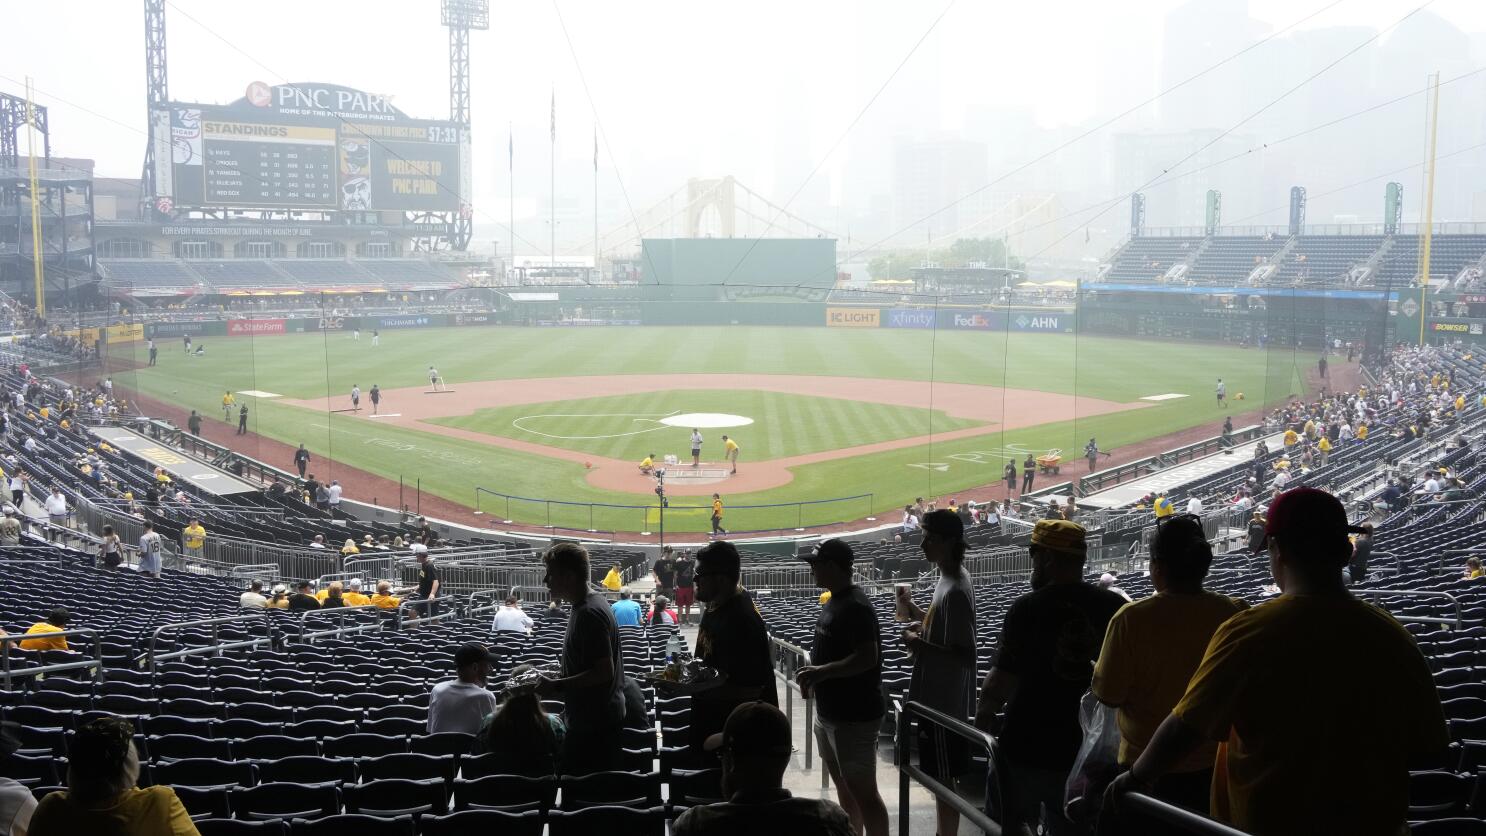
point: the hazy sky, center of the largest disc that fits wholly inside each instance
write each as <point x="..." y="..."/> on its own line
<point x="680" y="88"/>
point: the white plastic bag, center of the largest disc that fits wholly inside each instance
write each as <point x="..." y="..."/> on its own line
<point x="1097" y="762"/>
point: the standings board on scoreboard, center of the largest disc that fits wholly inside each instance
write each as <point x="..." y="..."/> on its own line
<point x="311" y="147"/>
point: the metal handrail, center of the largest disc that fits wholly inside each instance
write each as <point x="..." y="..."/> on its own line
<point x="96" y="663"/>
<point x="415" y="604"/>
<point x="788" y="659"/>
<point x="912" y="711"/>
<point x="1186" y="820"/>
<point x="339" y="613"/>
<point x="1454" y="602"/>
<point x="153" y="657"/>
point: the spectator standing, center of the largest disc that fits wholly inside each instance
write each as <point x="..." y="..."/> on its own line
<point x="844" y="678"/>
<point x="462" y="704"/>
<point x="1153" y="647"/>
<point x="151" y="548"/>
<point x="510" y="618"/>
<point x="193" y="423"/>
<point x="686" y="593"/>
<point x="910" y="524"/>
<point x="717" y="516"/>
<point x="1029" y="470"/>
<point x="101" y="797"/>
<point x="591" y="684"/>
<point x="301" y="460"/>
<point x="528" y="738"/>
<point x="732" y="639"/>
<point x="56" y="513"/>
<point x="18" y="480"/>
<point x="193" y="537"/>
<point x="755" y="749"/>
<point x="1050" y="638"/>
<point x="664" y="572"/>
<point x="10" y="527"/>
<point x="302" y="599"/>
<point x="428" y="580"/>
<point x="941" y="640"/>
<point x="1009" y="472"/>
<point x="1361" y="555"/>
<point x="626" y="610"/>
<point x="333" y="496"/>
<point x="1256" y="539"/>
<point x="242" y="420"/>
<point x="1345" y="729"/>
<point x="253" y="598"/>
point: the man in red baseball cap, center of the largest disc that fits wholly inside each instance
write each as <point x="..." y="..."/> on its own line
<point x="1319" y="701"/>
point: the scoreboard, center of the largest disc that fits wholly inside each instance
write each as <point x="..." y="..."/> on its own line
<point x="311" y="147"/>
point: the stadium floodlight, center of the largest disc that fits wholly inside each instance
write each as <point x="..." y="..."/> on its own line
<point x="467" y="14"/>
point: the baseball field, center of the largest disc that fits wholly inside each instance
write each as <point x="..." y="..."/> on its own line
<point x="832" y="424"/>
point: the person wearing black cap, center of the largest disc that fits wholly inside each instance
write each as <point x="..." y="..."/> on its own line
<point x="302" y="599"/>
<point x="844" y="678"/>
<point x="754" y="746"/>
<point x="17" y="804"/>
<point x="56" y="621"/>
<point x="592" y="682"/>
<point x="1050" y="638"/>
<point x="732" y="639"/>
<point x="1320" y="701"/>
<point x="942" y="643"/>
<point x="463" y="703"/>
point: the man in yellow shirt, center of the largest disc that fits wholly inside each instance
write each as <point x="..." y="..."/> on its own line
<point x="1324" y="445"/>
<point x="193" y="537"/>
<point x="384" y="597"/>
<point x="730" y="451"/>
<point x="56" y="622"/>
<point x="1291" y="438"/>
<point x="1153" y="646"/>
<point x="227" y="403"/>
<point x="1362" y="433"/>
<point x="717" y="516"/>
<point x="1319" y="702"/>
<point x="354" y="596"/>
<point x="647" y="465"/>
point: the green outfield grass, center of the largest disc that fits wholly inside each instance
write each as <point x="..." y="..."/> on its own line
<point x="317" y="365"/>
<point x="784" y="425"/>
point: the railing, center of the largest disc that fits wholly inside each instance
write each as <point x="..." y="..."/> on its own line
<point x="1453" y="602"/>
<point x="1140" y="804"/>
<point x="998" y="565"/>
<point x="340" y="614"/>
<point x="596" y="517"/>
<point x="913" y="712"/>
<point x="1102" y="479"/>
<point x="788" y="659"/>
<point x="419" y="607"/>
<point x="153" y="657"/>
<point x="95" y="663"/>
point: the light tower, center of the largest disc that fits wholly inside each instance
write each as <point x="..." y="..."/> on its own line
<point x="461" y="16"/>
<point x="157" y="92"/>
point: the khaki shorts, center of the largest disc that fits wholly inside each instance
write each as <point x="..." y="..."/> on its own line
<point x="849" y="749"/>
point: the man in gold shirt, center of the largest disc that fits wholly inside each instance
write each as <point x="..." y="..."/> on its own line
<point x="353" y="595"/>
<point x="193" y="537"/>
<point x="647" y="464"/>
<point x="1153" y="646"/>
<point x="1319" y="702"/>
<point x="56" y="621"/>
<point x="384" y="597"/>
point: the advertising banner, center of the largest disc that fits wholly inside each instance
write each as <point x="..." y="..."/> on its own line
<point x="254" y="327"/>
<point x="1041" y="322"/>
<point x="1456" y="326"/>
<point x="908" y="318"/>
<point x="160" y="330"/>
<point x="473" y="319"/>
<point x="333" y="323"/>
<point x="853" y="317"/>
<point x="410" y="321"/>
<point x="975" y="321"/>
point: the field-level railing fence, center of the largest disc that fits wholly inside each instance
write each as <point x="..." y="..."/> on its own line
<point x="676" y="515"/>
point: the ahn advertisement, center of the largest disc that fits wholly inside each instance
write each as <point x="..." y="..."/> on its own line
<point x="254" y="327"/>
<point x="908" y="318"/>
<point x="853" y="317"/>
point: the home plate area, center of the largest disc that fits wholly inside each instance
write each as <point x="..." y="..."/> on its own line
<point x="685" y="474"/>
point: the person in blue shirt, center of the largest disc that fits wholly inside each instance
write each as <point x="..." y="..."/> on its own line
<point x="626" y="611"/>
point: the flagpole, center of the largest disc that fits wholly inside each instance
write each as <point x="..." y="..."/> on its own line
<point x="552" y="194"/>
<point x="595" y="201"/>
<point x="511" y="177"/>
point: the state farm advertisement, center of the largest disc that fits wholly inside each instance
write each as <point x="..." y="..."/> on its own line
<point x="254" y="327"/>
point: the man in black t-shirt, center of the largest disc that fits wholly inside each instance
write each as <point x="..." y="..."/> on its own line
<point x="592" y="682"/>
<point x="302" y="599"/>
<point x="428" y="580"/>
<point x="665" y="574"/>
<point x="686" y="567"/>
<point x="732" y="639"/>
<point x="845" y="679"/>
<point x="301" y="460"/>
<point x="1050" y="639"/>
